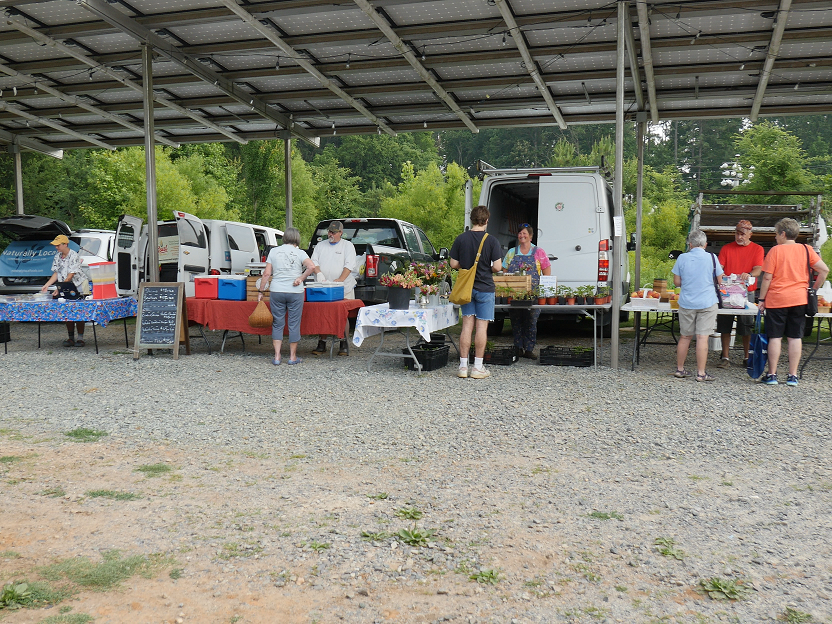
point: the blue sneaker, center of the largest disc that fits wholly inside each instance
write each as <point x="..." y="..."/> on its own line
<point x="770" y="380"/>
<point x="791" y="380"/>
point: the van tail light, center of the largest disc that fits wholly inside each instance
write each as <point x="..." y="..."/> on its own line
<point x="214" y="272"/>
<point x="371" y="265"/>
<point x="603" y="260"/>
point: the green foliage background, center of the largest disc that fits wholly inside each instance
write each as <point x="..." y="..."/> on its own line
<point x="420" y="177"/>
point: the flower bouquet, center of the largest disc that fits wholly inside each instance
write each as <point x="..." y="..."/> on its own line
<point x="407" y="280"/>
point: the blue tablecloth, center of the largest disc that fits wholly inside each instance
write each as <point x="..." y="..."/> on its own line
<point x="100" y="311"/>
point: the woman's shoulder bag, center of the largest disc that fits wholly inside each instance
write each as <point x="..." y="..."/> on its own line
<point x="461" y="294"/>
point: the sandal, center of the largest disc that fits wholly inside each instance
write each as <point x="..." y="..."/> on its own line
<point x="681" y="374"/>
<point x="705" y="377"/>
<point x="293" y="362"/>
<point x="80" y="342"/>
<point x="69" y="342"/>
<point x="276" y="362"/>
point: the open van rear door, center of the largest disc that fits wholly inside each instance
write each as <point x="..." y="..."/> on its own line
<point x="568" y="219"/>
<point x="194" y="257"/>
<point x="126" y="254"/>
<point x="242" y="245"/>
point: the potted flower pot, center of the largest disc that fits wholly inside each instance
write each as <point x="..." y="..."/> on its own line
<point x="399" y="298"/>
<point x="580" y="300"/>
<point x="561" y="300"/>
<point x="600" y="300"/>
<point x="570" y="301"/>
<point x="551" y="300"/>
<point x="541" y="301"/>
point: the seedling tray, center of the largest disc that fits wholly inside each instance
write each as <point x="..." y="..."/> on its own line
<point x="567" y="356"/>
<point x="430" y="357"/>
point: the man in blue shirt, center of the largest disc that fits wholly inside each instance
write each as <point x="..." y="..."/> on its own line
<point x="695" y="271"/>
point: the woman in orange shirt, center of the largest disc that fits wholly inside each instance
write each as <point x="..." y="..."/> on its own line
<point x="783" y="296"/>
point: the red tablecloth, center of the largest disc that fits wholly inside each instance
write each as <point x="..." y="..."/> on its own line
<point x="319" y="317"/>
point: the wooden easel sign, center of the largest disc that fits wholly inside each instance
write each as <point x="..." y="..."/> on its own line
<point x="162" y="321"/>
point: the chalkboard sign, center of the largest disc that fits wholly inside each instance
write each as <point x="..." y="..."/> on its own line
<point x="162" y="319"/>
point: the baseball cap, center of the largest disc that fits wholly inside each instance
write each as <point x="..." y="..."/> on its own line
<point x="60" y="239"/>
<point x="335" y="226"/>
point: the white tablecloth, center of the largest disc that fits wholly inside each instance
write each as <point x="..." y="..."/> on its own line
<point x="372" y="320"/>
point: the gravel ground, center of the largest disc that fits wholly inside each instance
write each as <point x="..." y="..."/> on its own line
<point x="560" y="480"/>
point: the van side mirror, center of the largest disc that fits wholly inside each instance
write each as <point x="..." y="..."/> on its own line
<point x="631" y="246"/>
<point x="444" y="254"/>
<point x="675" y="254"/>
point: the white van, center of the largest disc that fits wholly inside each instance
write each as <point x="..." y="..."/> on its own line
<point x="189" y="247"/>
<point x="94" y="246"/>
<point x="571" y="211"/>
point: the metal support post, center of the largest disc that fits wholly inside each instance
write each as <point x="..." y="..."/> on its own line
<point x="641" y="127"/>
<point x="618" y="189"/>
<point x="150" y="166"/>
<point x="287" y="158"/>
<point x="18" y="178"/>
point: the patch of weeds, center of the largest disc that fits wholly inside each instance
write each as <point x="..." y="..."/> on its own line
<point x="793" y="616"/>
<point x="606" y="515"/>
<point x="697" y="478"/>
<point x="108" y="573"/>
<point x="14" y="595"/>
<point x="119" y="496"/>
<point x="375" y="537"/>
<point x="82" y="434"/>
<point x="299" y="456"/>
<point x="586" y="572"/>
<point x="379" y="496"/>
<point x="409" y="513"/>
<point x="464" y="567"/>
<point x="9" y="554"/>
<point x="489" y="576"/>
<point x="318" y="546"/>
<point x="667" y="547"/>
<point x="415" y="537"/>
<point x="620" y="588"/>
<point x="153" y="470"/>
<point x="727" y="483"/>
<point x="594" y="612"/>
<point x="237" y="618"/>
<point x="55" y="492"/>
<point x="725" y="589"/>
<point x="176" y="573"/>
<point x="235" y="549"/>
<point x="74" y="618"/>
<point x="540" y="469"/>
<point x="10" y="459"/>
<point x="535" y="582"/>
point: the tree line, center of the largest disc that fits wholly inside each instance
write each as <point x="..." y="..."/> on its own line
<point x="420" y="177"/>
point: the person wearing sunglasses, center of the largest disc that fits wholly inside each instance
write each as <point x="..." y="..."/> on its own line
<point x="532" y="258"/>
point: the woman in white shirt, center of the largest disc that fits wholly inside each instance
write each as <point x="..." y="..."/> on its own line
<point x="287" y="266"/>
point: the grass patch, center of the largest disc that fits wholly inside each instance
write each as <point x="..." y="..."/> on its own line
<point x="318" y="546"/>
<point x="85" y="435"/>
<point x="55" y="492"/>
<point x="491" y="577"/>
<point x="415" y="537"/>
<point x="153" y="470"/>
<point x="10" y="459"/>
<point x="176" y="573"/>
<point x="9" y="554"/>
<point x="24" y="594"/>
<point x="725" y="589"/>
<point x="793" y="616"/>
<point x="112" y="494"/>
<point x="606" y="515"/>
<point x="409" y="513"/>
<point x="104" y="575"/>
<point x="68" y="618"/>
<point x="379" y="496"/>
<point x="667" y="547"/>
<point x="375" y="537"/>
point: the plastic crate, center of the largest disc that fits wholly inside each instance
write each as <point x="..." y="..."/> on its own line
<point x="567" y="356"/>
<point x="430" y="357"/>
<point x="499" y="356"/>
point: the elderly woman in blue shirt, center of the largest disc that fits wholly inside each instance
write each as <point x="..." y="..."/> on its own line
<point x="696" y="272"/>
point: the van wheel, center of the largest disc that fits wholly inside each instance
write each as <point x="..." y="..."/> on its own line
<point x="495" y="327"/>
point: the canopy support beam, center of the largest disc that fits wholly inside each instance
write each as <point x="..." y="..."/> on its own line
<point x="287" y="157"/>
<point x="18" y="179"/>
<point x="773" y="51"/>
<point x="632" y="55"/>
<point x="641" y="127"/>
<point x="531" y="65"/>
<point x="618" y="184"/>
<point x="150" y="167"/>
<point x="405" y="51"/>
<point x="647" y="59"/>
<point x="60" y="127"/>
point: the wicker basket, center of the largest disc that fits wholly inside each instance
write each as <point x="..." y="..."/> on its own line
<point x="261" y="317"/>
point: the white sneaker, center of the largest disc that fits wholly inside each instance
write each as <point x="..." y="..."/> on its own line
<point x="479" y="373"/>
<point x="462" y="373"/>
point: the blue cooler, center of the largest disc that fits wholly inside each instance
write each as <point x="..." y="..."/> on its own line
<point x="232" y="288"/>
<point x="325" y="292"/>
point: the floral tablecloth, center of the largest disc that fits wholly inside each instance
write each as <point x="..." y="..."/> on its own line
<point x="100" y="311"/>
<point x="372" y="320"/>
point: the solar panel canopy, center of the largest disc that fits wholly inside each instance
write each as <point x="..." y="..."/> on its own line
<point x="72" y="71"/>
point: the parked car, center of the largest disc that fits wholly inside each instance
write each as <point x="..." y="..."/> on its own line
<point x="26" y="261"/>
<point x="189" y="247"/>
<point x="381" y="244"/>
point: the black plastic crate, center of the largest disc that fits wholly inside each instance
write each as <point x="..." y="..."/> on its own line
<point x="499" y="356"/>
<point x="430" y="357"/>
<point x="567" y="356"/>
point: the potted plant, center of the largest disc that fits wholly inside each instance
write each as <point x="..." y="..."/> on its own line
<point x="400" y="287"/>
<point x="561" y="294"/>
<point x="569" y="295"/>
<point x="523" y="298"/>
<point x="540" y="295"/>
<point x="584" y="294"/>
<point x="600" y="296"/>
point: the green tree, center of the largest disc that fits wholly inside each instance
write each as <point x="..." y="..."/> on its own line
<point x="430" y="200"/>
<point x="337" y="193"/>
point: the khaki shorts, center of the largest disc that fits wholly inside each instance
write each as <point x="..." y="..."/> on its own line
<point x="697" y="322"/>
